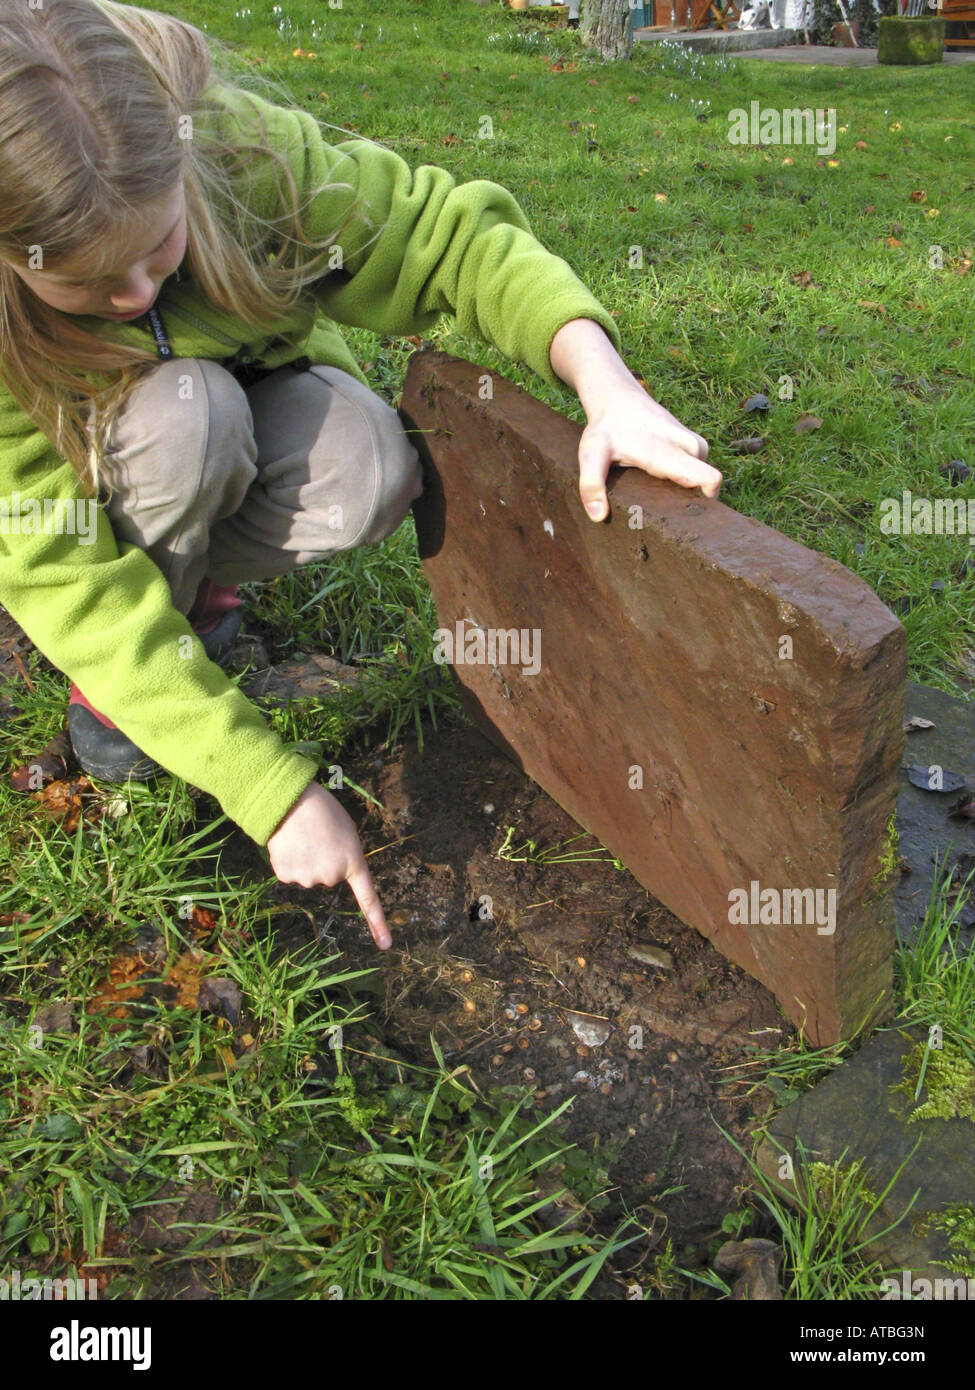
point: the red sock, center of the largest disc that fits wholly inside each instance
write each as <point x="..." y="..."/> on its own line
<point x="211" y="602"/>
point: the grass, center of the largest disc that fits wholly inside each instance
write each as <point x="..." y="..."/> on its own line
<point x="823" y="1230"/>
<point x="529" y="853"/>
<point x="323" y="1171"/>
<point x="713" y="313"/>
<point x="824" y="1233"/>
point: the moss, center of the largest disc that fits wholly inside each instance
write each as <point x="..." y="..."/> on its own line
<point x="958" y="1223"/>
<point x="949" y="1079"/>
<point x="889" y="858"/>
<point x="911" y="39"/>
<point x="835" y="1183"/>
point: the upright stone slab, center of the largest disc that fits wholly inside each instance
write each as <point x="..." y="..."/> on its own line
<point x="721" y="707"/>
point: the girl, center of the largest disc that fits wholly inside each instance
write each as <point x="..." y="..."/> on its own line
<point x="176" y="253"/>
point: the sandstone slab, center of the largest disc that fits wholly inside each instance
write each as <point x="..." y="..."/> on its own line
<point x="721" y="707"/>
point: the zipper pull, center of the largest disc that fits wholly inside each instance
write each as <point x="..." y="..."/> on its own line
<point x="159" y="333"/>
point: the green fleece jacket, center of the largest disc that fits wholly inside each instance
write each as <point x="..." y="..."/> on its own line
<point x="102" y="611"/>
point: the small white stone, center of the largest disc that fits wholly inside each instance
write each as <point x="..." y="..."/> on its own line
<point x="488" y="809"/>
<point x="547" y="526"/>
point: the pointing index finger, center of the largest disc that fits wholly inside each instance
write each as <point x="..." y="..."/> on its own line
<point x="360" y="881"/>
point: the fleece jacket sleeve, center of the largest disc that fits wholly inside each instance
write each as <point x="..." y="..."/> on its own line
<point x="415" y="244"/>
<point x="101" y="611"/>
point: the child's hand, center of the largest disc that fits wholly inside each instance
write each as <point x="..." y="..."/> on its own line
<point x="316" y="843"/>
<point x="628" y="427"/>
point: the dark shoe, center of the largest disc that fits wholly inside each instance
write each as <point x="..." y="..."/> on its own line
<point x="102" y="750"/>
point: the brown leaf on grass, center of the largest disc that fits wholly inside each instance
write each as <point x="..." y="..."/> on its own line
<point x="918" y="196"/>
<point x="805" y="423"/>
<point x="220" y="996"/>
<point x="746" y="446"/>
<point x="129" y="981"/>
<point x="57" y="1016"/>
<point x="204" y="921"/>
<point x="872" y="304"/>
<point x="62" y="801"/>
<point x="451" y="139"/>
<point x="892" y="241"/>
<point x="803" y="278"/>
<point x="49" y="765"/>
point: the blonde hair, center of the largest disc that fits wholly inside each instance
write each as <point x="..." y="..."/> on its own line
<point x="91" y="98"/>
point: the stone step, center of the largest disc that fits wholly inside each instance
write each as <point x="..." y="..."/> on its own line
<point x="720" y="40"/>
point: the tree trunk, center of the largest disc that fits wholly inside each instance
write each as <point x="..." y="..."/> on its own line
<point x="605" y="25"/>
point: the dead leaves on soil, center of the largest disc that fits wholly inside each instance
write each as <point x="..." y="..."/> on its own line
<point x="60" y="796"/>
<point x="139" y="973"/>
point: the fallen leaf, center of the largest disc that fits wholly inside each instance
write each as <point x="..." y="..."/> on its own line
<point x="803" y="278"/>
<point x="220" y="996"/>
<point x="746" y="446"/>
<point x="805" y="423"/>
<point x="55" y="1017"/>
<point x="916" y="722"/>
<point x="50" y="764"/>
<point x="62" y="801"/>
<point x="918" y="196"/>
<point x="872" y="304"/>
<point x="922" y="777"/>
<point x="756" y="402"/>
<point x="892" y="241"/>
